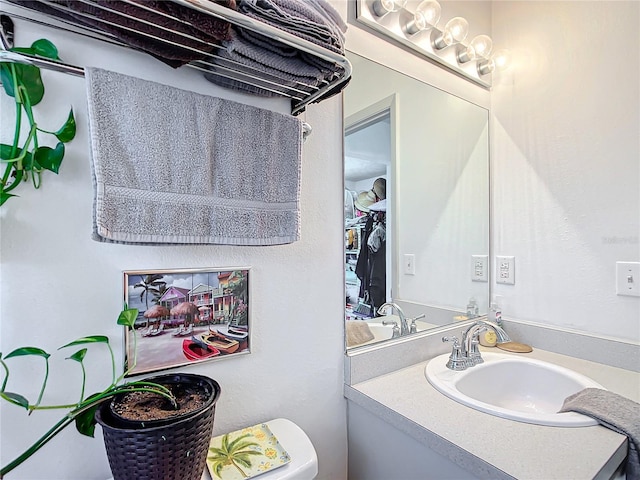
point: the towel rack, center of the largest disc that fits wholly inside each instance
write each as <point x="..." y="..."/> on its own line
<point x="67" y="68"/>
<point x="300" y="95"/>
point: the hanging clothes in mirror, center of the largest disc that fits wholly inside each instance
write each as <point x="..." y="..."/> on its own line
<point x="371" y="264"/>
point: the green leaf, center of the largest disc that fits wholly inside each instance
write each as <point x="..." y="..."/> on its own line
<point x="7" y="78"/>
<point x="128" y="317"/>
<point x="86" y="422"/>
<point x="27" y="50"/>
<point x="79" y="355"/>
<point x="68" y="131"/>
<point x="5" y="156"/>
<point x="4" y="196"/>
<point x="41" y="48"/>
<point x="5" y="152"/>
<point x="29" y="80"/>
<point x="49" y="158"/>
<point x="20" y="352"/>
<point x="45" y="48"/>
<point x="16" y="399"/>
<point x="85" y="340"/>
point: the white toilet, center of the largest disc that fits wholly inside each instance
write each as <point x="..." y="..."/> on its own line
<point x="304" y="460"/>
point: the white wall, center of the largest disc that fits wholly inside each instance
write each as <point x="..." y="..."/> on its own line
<point x="566" y="162"/>
<point x="57" y="285"/>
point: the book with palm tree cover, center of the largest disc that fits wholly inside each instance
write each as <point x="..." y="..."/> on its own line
<point x="245" y="453"/>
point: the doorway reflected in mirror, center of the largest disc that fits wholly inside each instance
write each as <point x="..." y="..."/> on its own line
<point x="367" y="167"/>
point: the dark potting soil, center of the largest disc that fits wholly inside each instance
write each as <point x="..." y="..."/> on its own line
<point x="147" y="406"/>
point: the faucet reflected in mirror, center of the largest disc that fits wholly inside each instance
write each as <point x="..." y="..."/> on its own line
<point x="429" y="256"/>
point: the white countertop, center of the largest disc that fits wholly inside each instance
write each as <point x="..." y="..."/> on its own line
<point x="493" y="447"/>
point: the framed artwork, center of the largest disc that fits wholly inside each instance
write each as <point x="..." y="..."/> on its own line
<point x="186" y="316"/>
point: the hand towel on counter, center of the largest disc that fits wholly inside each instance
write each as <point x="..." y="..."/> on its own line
<point x="126" y="22"/>
<point x="615" y="412"/>
<point x="177" y="167"/>
<point x="358" y="332"/>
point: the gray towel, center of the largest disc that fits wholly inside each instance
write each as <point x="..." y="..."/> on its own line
<point x="177" y="167"/>
<point x="282" y="66"/>
<point x="613" y="411"/>
<point x="313" y="20"/>
<point x="198" y="33"/>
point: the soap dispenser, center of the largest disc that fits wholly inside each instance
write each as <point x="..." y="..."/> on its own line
<point x="472" y="308"/>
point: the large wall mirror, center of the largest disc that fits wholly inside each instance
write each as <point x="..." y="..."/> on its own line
<point x="416" y="181"/>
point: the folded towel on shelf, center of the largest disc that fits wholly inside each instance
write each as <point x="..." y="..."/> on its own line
<point x="286" y="67"/>
<point x="201" y="33"/>
<point x="358" y="332"/>
<point x="176" y="167"/>
<point x="615" y="412"/>
<point x="313" y="20"/>
<point x="270" y="62"/>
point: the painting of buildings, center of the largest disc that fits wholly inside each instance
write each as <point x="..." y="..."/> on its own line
<point x="186" y="316"/>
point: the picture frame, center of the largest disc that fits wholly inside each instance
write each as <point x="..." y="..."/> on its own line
<point x="186" y="316"/>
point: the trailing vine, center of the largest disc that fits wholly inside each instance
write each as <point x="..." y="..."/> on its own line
<point x="25" y="159"/>
<point x="81" y="413"/>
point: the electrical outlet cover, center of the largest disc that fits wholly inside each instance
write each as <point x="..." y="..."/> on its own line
<point x="480" y="268"/>
<point x="506" y="270"/>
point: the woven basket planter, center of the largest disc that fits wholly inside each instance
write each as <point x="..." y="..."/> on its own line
<point x="162" y="450"/>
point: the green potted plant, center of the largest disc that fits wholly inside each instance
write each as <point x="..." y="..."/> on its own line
<point x="25" y="159"/>
<point x="174" y="436"/>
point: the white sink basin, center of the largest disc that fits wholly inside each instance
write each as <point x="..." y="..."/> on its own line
<point x="383" y="332"/>
<point x="514" y="387"/>
<point x="380" y="332"/>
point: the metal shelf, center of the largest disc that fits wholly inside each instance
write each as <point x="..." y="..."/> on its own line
<point x="301" y="94"/>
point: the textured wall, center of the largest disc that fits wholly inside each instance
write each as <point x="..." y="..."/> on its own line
<point x="566" y="162"/>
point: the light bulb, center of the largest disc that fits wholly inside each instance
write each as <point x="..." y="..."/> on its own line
<point x="426" y="16"/>
<point x="499" y="61"/>
<point x="382" y="7"/>
<point x="482" y="45"/>
<point x="455" y="31"/>
<point x="479" y="47"/>
<point x="502" y="59"/>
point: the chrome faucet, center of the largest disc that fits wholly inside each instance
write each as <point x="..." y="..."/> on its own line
<point x="383" y="310"/>
<point x="466" y="354"/>
<point x="405" y="328"/>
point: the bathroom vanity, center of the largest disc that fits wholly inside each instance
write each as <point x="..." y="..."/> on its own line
<point x="402" y="427"/>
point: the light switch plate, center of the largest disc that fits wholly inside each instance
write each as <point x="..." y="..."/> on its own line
<point x="506" y="270"/>
<point x="409" y="264"/>
<point x="628" y="278"/>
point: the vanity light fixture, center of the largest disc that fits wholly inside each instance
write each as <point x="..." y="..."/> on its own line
<point x="425" y="17"/>
<point x="455" y="31"/>
<point x="414" y="25"/>
<point x="382" y="7"/>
